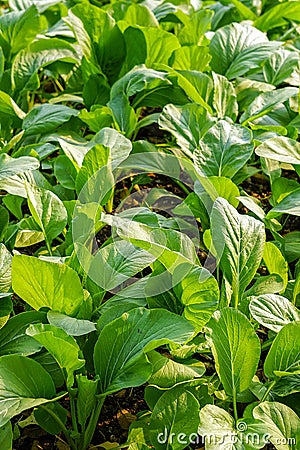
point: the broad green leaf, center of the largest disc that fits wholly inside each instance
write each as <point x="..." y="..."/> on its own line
<point x="138" y="14"/>
<point x="16" y="33"/>
<point x="44" y="284"/>
<point x="160" y="45"/>
<point x="266" y="102"/>
<point x="139" y="79"/>
<point x="235" y="347"/>
<point x="167" y="373"/>
<point x="65" y="171"/>
<point x="60" y="345"/>
<point x="6" y="436"/>
<point x="115" y="263"/>
<point x="220" y="431"/>
<point x="42" y="5"/>
<point x="237" y="48"/>
<point x="13" y="338"/>
<point x="39" y="54"/>
<point x="14" y="166"/>
<point x="224" y="150"/>
<point x="174" y="413"/>
<point x="280" y="66"/>
<point x="198" y="291"/>
<point x="275" y="262"/>
<point x="6" y="307"/>
<point x="9" y="108"/>
<point x="224" y="97"/>
<point x="188" y="124"/>
<point x="289" y="205"/>
<point x="5" y="269"/>
<point x="123" y="114"/>
<point x="208" y="189"/>
<point x="19" y="389"/>
<point x="72" y="326"/>
<point x="192" y="33"/>
<point x="281" y="422"/>
<point x="284" y="355"/>
<point x="273" y="311"/>
<point x="46" y="118"/>
<point x="86" y="400"/>
<point x="278" y="16"/>
<point x="280" y="148"/>
<point x="270" y="284"/>
<point x="47" y="210"/>
<point x="170" y="247"/>
<point x="239" y="241"/>
<point x="191" y="57"/>
<point x="46" y="420"/>
<point x="119" y="354"/>
<point x="217" y="422"/>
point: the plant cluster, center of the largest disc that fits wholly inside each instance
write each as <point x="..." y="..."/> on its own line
<point x="149" y="204"/>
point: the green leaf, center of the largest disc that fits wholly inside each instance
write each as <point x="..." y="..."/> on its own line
<point x="19" y="389"/>
<point x="86" y="401"/>
<point x="224" y="98"/>
<point x="217" y="422"/>
<point x="281" y="149"/>
<point x="72" y="326"/>
<point x="42" y="5"/>
<point x="60" y="345"/>
<point x="280" y="66"/>
<point x="47" y="210"/>
<point x="115" y="263"/>
<point x="278" y="16"/>
<point x="46" y="421"/>
<point x="266" y="102"/>
<point x="191" y="57"/>
<point x="138" y="14"/>
<point x="284" y="355"/>
<point x="188" y="124"/>
<point x="208" y="189"/>
<point x="198" y="291"/>
<point x="5" y="269"/>
<point x="275" y="262"/>
<point x="235" y="347"/>
<point x="160" y="46"/>
<point x="281" y="422"/>
<point x="170" y="247"/>
<point x="174" y="413"/>
<point x="65" y="171"/>
<point x="123" y="114"/>
<point x="167" y="373"/>
<point x="16" y="33"/>
<point x="193" y="31"/>
<point x="119" y="354"/>
<point x="6" y="436"/>
<point x="39" y="54"/>
<point x="47" y="117"/>
<point x="9" y="108"/>
<point x="224" y="150"/>
<point x="44" y="284"/>
<point x="239" y="241"/>
<point x="11" y="166"/>
<point x="273" y="311"/>
<point x="237" y="48"/>
<point x="13" y="338"/>
<point x="289" y="205"/>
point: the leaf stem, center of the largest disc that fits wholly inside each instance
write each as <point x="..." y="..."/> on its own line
<point x="268" y="391"/>
<point x="236" y="417"/>
<point x="90" y="430"/>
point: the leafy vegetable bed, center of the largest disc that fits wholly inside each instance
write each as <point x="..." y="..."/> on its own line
<point x="149" y="224"/>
